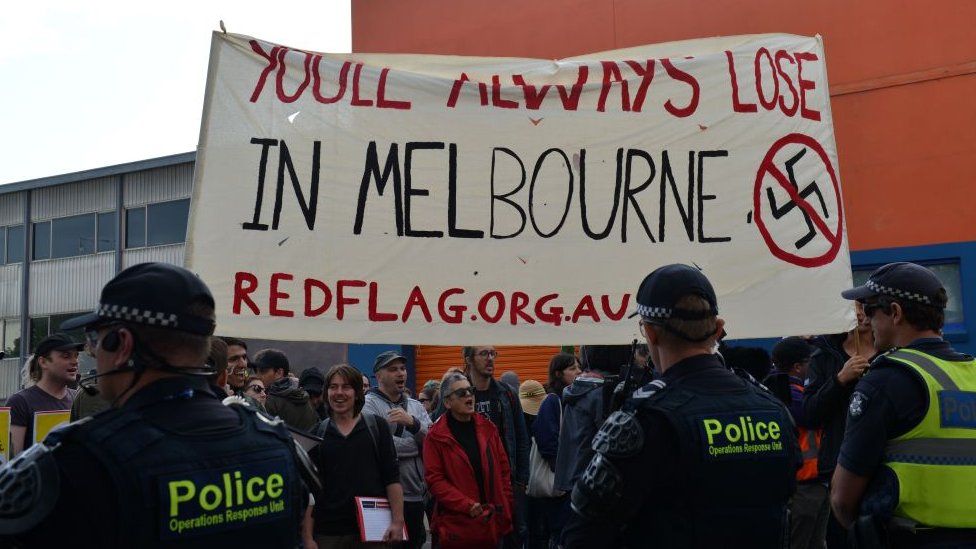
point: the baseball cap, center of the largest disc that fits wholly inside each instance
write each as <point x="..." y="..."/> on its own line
<point x="57" y="342"/>
<point x="312" y="381"/>
<point x="790" y="350"/>
<point x="154" y="294"/>
<point x="902" y="280"/>
<point x="385" y="358"/>
<point x="660" y="291"/>
<point x="531" y="395"/>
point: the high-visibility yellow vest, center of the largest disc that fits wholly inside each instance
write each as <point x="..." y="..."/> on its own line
<point x="935" y="462"/>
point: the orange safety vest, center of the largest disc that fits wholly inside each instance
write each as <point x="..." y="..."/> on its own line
<point x="809" y="447"/>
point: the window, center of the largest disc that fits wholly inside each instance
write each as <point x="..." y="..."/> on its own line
<point x="15" y="244"/>
<point x="948" y="273"/>
<point x="39" y="329"/>
<point x="3" y="245"/>
<point x="75" y="235"/>
<point x="41" y="247"/>
<point x="108" y="231"/>
<point x="78" y="334"/>
<point x="157" y="224"/>
<point x="71" y="236"/>
<point x="135" y="228"/>
<point x="11" y="338"/>
<point x="43" y="326"/>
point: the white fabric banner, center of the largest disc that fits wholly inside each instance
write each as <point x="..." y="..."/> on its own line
<point x="455" y="200"/>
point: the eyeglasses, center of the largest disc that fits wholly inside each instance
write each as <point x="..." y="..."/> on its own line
<point x="487" y="353"/>
<point x="643" y="326"/>
<point x="91" y="338"/>
<point x="256" y="388"/>
<point x="463" y="392"/>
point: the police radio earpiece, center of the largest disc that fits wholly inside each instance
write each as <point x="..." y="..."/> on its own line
<point x="111" y="341"/>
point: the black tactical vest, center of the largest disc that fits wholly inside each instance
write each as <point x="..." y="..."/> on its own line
<point x="237" y="487"/>
<point x="738" y="463"/>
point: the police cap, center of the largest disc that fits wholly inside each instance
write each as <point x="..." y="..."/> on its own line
<point x="902" y="281"/>
<point x="661" y="290"/>
<point x="153" y="294"/>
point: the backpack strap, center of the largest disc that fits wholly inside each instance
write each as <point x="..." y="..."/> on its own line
<point x="374" y="433"/>
<point x="321" y="427"/>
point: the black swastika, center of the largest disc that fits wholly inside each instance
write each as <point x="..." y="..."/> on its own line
<point x="811" y="188"/>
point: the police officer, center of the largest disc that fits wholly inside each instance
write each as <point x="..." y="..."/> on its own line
<point x="908" y="461"/>
<point x="697" y="458"/>
<point x="168" y="464"/>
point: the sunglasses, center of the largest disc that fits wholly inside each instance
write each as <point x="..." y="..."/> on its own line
<point x="256" y="388"/>
<point x="463" y="392"/>
<point x="423" y="400"/>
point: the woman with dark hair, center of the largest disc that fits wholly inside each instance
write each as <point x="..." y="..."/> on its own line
<point x="429" y="396"/>
<point x="563" y="369"/>
<point x="467" y="473"/>
<point x="355" y="459"/>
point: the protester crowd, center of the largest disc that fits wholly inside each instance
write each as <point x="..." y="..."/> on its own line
<point x="479" y="460"/>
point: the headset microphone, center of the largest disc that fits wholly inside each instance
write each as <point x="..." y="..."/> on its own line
<point x="86" y="383"/>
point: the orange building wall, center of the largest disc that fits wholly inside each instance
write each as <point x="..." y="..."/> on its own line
<point x="902" y="75"/>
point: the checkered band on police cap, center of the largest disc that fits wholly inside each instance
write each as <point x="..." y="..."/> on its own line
<point x="662" y="313"/>
<point x="139" y="316"/>
<point x="895" y="292"/>
<point x="902" y="280"/>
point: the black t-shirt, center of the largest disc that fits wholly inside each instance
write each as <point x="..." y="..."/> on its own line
<point x="488" y="404"/>
<point x="464" y="433"/>
<point x="351" y="466"/>
<point x="887" y="402"/>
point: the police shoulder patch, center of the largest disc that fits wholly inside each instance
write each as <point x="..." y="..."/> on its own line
<point x="859" y="402"/>
<point x="649" y="390"/>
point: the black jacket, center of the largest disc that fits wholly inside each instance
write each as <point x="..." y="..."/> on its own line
<point x="825" y="399"/>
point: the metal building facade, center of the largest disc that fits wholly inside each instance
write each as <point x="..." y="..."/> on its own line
<point x="61" y="286"/>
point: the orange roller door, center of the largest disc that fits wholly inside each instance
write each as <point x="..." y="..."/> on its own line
<point x="528" y="361"/>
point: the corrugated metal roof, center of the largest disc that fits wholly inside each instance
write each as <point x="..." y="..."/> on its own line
<point x="106" y="171"/>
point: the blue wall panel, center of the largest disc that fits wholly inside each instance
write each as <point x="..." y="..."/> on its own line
<point x="962" y="252"/>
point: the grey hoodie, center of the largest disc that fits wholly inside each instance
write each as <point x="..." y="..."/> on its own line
<point x="409" y="444"/>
